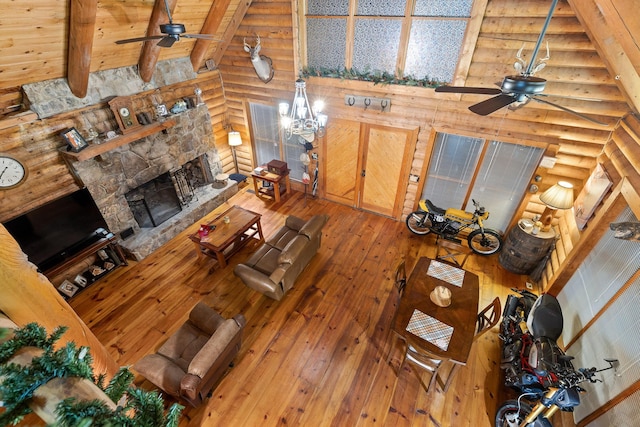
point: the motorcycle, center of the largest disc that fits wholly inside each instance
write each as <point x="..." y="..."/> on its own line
<point x="530" y="327"/>
<point x="564" y="395"/>
<point x="534" y="365"/>
<point x="448" y="223"/>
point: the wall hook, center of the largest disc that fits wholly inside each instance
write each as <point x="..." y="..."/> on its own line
<point x="383" y="104"/>
<point x="351" y="101"/>
<point x="367" y="103"/>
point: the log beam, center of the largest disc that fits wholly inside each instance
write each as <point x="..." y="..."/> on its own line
<point x="210" y="26"/>
<point x="82" y="23"/>
<point x="232" y="28"/>
<point x="604" y="23"/>
<point x="21" y="283"/>
<point x="150" y="50"/>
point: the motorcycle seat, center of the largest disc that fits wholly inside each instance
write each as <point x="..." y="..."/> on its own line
<point x="433" y="208"/>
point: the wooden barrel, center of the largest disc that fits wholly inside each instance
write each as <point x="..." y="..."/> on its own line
<point x="523" y="251"/>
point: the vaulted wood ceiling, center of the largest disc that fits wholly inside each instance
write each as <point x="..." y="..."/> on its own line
<point x="46" y="39"/>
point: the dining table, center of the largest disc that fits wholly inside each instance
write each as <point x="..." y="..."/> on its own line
<point x="445" y="332"/>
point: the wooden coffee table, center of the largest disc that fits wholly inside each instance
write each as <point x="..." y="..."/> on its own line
<point x="228" y="238"/>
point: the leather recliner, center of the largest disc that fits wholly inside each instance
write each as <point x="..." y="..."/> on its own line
<point x="193" y="360"/>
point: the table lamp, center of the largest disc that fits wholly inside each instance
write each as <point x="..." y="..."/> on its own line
<point x="559" y="196"/>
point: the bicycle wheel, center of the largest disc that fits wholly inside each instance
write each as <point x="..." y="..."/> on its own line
<point x="486" y="243"/>
<point x="419" y="223"/>
<point x="511" y="409"/>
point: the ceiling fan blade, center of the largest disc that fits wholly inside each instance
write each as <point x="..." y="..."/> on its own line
<point x="168" y="41"/>
<point x="575" y="98"/>
<point x="487" y="107"/>
<point x="139" y="39"/>
<point x="568" y="110"/>
<point x="465" y="89"/>
<point x="201" y="36"/>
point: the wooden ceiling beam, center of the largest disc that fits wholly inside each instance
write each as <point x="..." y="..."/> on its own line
<point x="210" y="26"/>
<point x="233" y="26"/>
<point x="82" y="21"/>
<point x="150" y="50"/>
<point x="614" y="42"/>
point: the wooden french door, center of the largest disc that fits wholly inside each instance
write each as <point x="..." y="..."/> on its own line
<point x="367" y="166"/>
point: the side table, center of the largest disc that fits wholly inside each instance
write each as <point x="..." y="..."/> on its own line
<point x="523" y="250"/>
<point x="274" y="179"/>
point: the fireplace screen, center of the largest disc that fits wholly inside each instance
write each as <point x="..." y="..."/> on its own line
<point x="154" y="202"/>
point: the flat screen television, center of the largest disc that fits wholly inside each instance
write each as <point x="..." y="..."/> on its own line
<point x="59" y="229"/>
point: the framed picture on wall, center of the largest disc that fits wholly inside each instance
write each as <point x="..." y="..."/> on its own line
<point x="591" y="195"/>
<point x="74" y="140"/>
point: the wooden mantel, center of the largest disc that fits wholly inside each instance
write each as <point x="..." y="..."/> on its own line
<point x="95" y="150"/>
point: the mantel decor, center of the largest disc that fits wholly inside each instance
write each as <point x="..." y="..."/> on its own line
<point x="122" y="108"/>
<point x="75" y="141"/>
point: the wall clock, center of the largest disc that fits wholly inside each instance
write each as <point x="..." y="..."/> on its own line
<point x="12" y="172"/>
<point x="125" y="115"/>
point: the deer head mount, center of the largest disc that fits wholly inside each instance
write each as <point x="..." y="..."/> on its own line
<point x="262" y="64"/>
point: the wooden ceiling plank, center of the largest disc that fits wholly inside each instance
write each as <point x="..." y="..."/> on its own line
<point x="82" y="20"/>
<point x="150" y="50"/>
<point x="609" y="43"/>
<point x="211" y="24"/>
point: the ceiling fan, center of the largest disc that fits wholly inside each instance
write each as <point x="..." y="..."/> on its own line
<point x="517" y="90"/>
<point x="171" y="33"/>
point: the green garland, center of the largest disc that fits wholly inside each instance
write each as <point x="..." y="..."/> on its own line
<point x="368" y="76"/>
<point x="141" y="408"/>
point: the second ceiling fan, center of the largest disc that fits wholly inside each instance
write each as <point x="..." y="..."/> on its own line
<point x="171" y="33"/>
<point x="516" y="89"/>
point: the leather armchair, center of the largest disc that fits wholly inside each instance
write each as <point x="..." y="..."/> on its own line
<point x="193" y="360"/>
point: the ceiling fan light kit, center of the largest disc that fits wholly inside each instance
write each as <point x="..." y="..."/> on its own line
<point x="517" y="90"/>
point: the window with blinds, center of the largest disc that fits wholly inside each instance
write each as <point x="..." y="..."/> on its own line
<point x="270" y="145"/>
<point x="457" y="175"/>
<point x="591" y="293"/>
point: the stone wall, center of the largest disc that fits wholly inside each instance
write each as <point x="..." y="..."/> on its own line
<point x="51" y="97"/>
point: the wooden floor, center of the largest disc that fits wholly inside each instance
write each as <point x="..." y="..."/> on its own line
<point x="319" y="356"/>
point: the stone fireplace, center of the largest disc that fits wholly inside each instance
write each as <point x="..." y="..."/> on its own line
<point x="184" y="154"/>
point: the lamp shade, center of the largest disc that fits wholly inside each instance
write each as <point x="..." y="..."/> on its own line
<point x="559" y="196"/>
<point x="234" y="138"/>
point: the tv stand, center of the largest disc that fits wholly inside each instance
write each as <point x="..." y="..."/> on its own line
<point x="93" y="262"/>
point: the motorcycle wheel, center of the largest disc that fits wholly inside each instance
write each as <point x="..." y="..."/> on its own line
<point x="510" y="407"/>
<point x="419" y="223"/>
<point x="488" y="244"/>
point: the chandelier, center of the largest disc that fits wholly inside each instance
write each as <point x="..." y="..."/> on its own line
<point x="302" y="119"/>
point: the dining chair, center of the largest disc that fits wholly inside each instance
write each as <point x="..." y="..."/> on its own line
<point x="401" y="277"/>
<point x="427" y="362"/>
<point x="488" y="317"/>
<point x="452" y="252"/>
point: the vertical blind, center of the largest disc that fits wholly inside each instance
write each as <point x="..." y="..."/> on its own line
<point x="266" y="135"/>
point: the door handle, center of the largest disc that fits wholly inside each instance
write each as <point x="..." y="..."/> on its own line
<point x="363" y="173"/>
